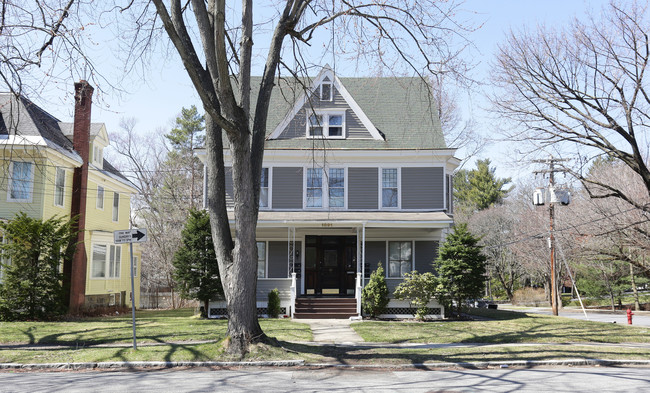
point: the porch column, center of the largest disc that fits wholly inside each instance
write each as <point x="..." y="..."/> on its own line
<point x="291" y="250"/>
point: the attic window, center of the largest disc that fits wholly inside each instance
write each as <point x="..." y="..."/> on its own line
<point x="326" y="125"/>
<point x="326" y="91"/>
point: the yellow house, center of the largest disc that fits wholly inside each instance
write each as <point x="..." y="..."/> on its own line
<point x="42" y="164"/>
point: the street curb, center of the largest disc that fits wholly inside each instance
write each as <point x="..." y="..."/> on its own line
<point x="144" y="364"/>
<point x="302" y="363"/>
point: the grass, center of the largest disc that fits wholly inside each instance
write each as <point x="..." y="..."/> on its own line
<point x="180" y="337"/>
<point x="503" y="327"/>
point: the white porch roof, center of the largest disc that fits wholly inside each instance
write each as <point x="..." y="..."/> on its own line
<point x="370" y="219"/>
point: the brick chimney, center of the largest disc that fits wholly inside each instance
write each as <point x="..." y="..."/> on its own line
<point x="74" y="271"/>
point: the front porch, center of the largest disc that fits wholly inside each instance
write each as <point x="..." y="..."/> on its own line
<point x="326" y="255"/>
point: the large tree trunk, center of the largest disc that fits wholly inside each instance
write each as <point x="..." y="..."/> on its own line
<point x="237" y="260"/>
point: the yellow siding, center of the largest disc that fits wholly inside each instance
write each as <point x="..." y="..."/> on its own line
<point x="49" y="208"/>
<point x="99" y="230"/>
<point x="34" y="209"/>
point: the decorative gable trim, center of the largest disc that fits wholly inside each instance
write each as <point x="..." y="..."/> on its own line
<point x="326" y="74"/>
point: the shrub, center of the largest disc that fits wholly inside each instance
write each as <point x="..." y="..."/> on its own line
<point x="273" y="308"/>
<point x="374" y="298"/>
<point x="418" y="289"/>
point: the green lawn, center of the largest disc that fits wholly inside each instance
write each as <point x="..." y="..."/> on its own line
<point x="177" y="333"/>
<point x="151" y="326"/>
<point x="503" y="327"/>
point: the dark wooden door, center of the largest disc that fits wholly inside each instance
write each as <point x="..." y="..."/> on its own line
<point x="330" y="265"/>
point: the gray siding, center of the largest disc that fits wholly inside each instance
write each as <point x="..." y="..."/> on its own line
<point x="287" y="188"/>
<point x="297" y="126"/>
<point x="422" y="188"/>
<point x="425" y="253"/>
<point x="375" y="253"/>
<point x="277" y="260"/>
<point x="363" y="188"/>
<point x="264" y="286"/>
<point x="229" y="188"/>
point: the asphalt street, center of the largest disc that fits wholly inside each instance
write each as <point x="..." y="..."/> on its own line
<point x="334" y="380"/>
<point x="640" y="318"/>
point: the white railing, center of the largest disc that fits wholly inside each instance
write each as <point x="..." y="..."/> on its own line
<point x="293" y="293"/>
<point x="358" y="291"/>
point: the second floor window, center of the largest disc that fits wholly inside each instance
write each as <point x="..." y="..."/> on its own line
<point x="59" y="186"/>
<point x="21" y="181"/>
<point x="264" y="188"/>
<point x="389" y="189"/>
<point x="336" y="186"/>
<point x="314" y="187"/>
<point x="100" y="198"/>
<point x="116" y="206"/>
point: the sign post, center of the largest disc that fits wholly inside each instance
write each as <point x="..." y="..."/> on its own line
<point x="131" y="236"/>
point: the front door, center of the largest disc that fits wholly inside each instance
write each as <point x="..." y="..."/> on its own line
<point x="330" y="265"/>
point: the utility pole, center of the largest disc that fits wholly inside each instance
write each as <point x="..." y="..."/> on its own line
<point x="551" y="209"/>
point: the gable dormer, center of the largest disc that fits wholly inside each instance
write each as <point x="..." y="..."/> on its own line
<point x="326" y="110"/>
<point x="98" y="142"/>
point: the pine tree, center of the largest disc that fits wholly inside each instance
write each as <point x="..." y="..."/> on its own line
<point x="460" y="267"/>
<point x="195" y="263"/>
<point x="374" y="298"/>
<point x="32" y="256"/>
<point x="479" y="188"/>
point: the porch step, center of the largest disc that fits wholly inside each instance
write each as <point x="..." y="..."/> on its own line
<point x="325" y="308"/>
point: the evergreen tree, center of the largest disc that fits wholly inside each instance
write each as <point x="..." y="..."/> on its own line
<point x="461" y="268"/>
<point x="195" y="263"/>
<point x="31" y="286"/>
<point x="188" y="133"/>
<point x="479" y="188"/>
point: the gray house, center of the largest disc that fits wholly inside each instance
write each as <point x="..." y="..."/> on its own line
<point x="356" y="173"/>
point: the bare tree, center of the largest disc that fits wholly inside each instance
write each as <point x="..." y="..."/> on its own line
<point x="582" y="91"/>
<point x="216" y="49"/>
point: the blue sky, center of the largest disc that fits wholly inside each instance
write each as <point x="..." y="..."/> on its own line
<point x="156" y="101"/>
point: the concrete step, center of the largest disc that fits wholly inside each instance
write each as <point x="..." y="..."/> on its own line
<point x="322" y="315"/>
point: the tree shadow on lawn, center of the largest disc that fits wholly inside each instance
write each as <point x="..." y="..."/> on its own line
<point x="393" y="356"/>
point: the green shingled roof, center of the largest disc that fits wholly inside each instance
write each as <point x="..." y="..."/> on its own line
<point x="402" y="109"/>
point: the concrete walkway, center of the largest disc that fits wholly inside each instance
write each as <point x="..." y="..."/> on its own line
<point x="332" y="331"/>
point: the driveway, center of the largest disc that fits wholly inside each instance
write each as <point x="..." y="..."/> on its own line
<point x="640" y="318"/>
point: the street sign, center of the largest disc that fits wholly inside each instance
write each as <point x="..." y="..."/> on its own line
<point x="130" y="236"/>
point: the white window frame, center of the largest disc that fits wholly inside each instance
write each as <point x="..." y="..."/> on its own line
<point x="30" y="181"/>
<point x="116" y="208"/>
<point x="345" y="180"/>
<point x="320" y="91"/>
<point x="381" y="189"/>
<point x="266" y="258"/>
<point x="326" y="113"/>
<point x="99" y="203"/>
<point x="388" y="242"/>
<point x="325" y="192"/>
<point x="59" y="171"/>
<point x="110" y="270"/>
<point x="97" y="155"/>
<point x="267" y="188"/>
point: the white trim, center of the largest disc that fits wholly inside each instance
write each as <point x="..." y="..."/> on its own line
<point x="107" y="272"/>
<point x="320" y="88"/>
<point x="31" y="180"/>
<point x="388" y="256"/>
<point x="114" y="209"/>
<point x="325" y="194"/>
<point x="266" y="258"/>
<point x="268" y="188"/>
<point x="300" y="103"/>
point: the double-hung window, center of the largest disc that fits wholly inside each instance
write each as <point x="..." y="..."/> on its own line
<point x="400" y="258"/>
<point x="261" y="259"/>
<point x="116" y="206"/>
<point x="389" y="187"/>
<point x="314" y="187"/>
<point x="264" y="188"/>
<point x="326" y="125"/>
<point x="336" y="187"/>
<point x="21" y="181"/>
<point x="59" y="186"/>
<point x="99" y="204"/>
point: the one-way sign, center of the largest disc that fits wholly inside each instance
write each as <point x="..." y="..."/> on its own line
<point x="130" y="236"/>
